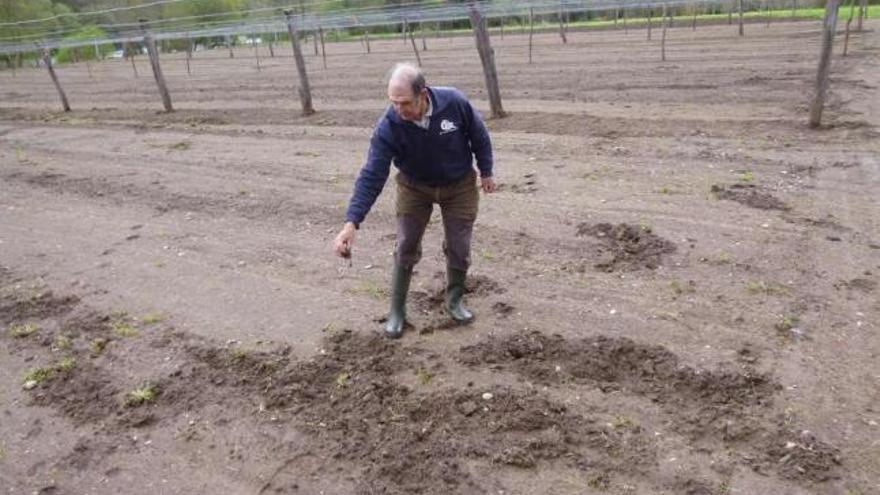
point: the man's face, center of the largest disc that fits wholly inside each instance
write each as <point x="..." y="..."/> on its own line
<point x="409" y="106"/>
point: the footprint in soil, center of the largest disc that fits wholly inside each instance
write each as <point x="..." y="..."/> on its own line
<point x="749" y="195"/>
<point x="625" y="246"/>
<point x="527" y="186"/>
<point x="857" y="284"/>
<point x="829" y="222"/>
<point x="502" y="309"/>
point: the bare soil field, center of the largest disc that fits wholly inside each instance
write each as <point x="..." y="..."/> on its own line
<point x="676" y="287"/>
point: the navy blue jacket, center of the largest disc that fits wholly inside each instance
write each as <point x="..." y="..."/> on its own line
<point x="440" y="155"/>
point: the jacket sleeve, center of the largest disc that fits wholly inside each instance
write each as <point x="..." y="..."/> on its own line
<point x="481" y="144"/>
<point x="372" y="176"/>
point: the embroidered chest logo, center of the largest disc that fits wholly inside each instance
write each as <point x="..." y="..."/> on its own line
<point x="447" y="126"/>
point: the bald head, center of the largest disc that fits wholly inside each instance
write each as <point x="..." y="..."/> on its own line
<point x="408" y="91"/>
<point x="406" y="75"/>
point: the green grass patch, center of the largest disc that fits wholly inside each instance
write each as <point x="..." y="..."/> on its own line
<point x="239" y="354"/>
<point x="370" y="289"/>
<point x="766" y="288"/>
<point x="37" y="375"/>
<point x="423" y="376"/>
<point x="151" y="318"/>
<point x="124" y="329"/>
<point x="62" y="342"/>
<point x="787" y="322"/>
<point x="97" y="346"/>
<point x="141" y="395"/>
<point x="342" y="379"/>
<point x="180" y="146"/>
<point x="682" y="17"/>
<point x="23" y="330"/>
<point x="622" y="422"/>
<point x="66" y="364"/>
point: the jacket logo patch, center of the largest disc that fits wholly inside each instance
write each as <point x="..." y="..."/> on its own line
<point x="447" y="126"/>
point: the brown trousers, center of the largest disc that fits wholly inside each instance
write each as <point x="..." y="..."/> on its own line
<point x="459" y="203"/>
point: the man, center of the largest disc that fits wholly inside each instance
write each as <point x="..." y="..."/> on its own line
<point x="432" y="135"/>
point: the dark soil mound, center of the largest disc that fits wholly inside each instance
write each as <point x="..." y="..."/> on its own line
<point x="626" y="247"/>
<point x="749" y="195"/>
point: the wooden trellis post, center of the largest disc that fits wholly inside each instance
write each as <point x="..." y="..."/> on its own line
<point x="88" y="64"/>
<point x="740" y="8"/>
<point x="256" y="49"/>
<point x="153" y="51"/>
<point x="412" y="38"/>
<point x="649" y="23"/>
<point x="305" y="93"/>
<point x="852" y="6"/>
<point x="271" y="49"/>
<point x="829" y="26"/>
<point x="663" y="37"/>
<point x="47" y="59"/>
<point x="531" y="30"/>
<point x="863" y="14"/>
<point x="229" y="45"/>
<point x="189" y="54"/>
<point x="323" y="47"/>
<point x="132" y="51"/>
<point x="424" y="41"/>
<point x="562" y="26"/>
<point x="487" y="58"/>
<point x="367" y="39"/>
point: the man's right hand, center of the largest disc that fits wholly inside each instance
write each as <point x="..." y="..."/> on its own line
<point x="345" y="240"/>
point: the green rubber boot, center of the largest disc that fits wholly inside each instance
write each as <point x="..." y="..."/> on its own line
<point x="454" y="293"/>
<point x="400" y="278"/>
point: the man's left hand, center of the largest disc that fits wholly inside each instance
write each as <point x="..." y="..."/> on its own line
<point x="487" y="184"/>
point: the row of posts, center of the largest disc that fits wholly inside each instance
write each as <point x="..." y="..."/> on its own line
<point x="478" y="22"/>
<point x="486" y="53"/>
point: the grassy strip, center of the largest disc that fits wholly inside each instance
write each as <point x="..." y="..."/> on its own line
<point x="632" y="22"/>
